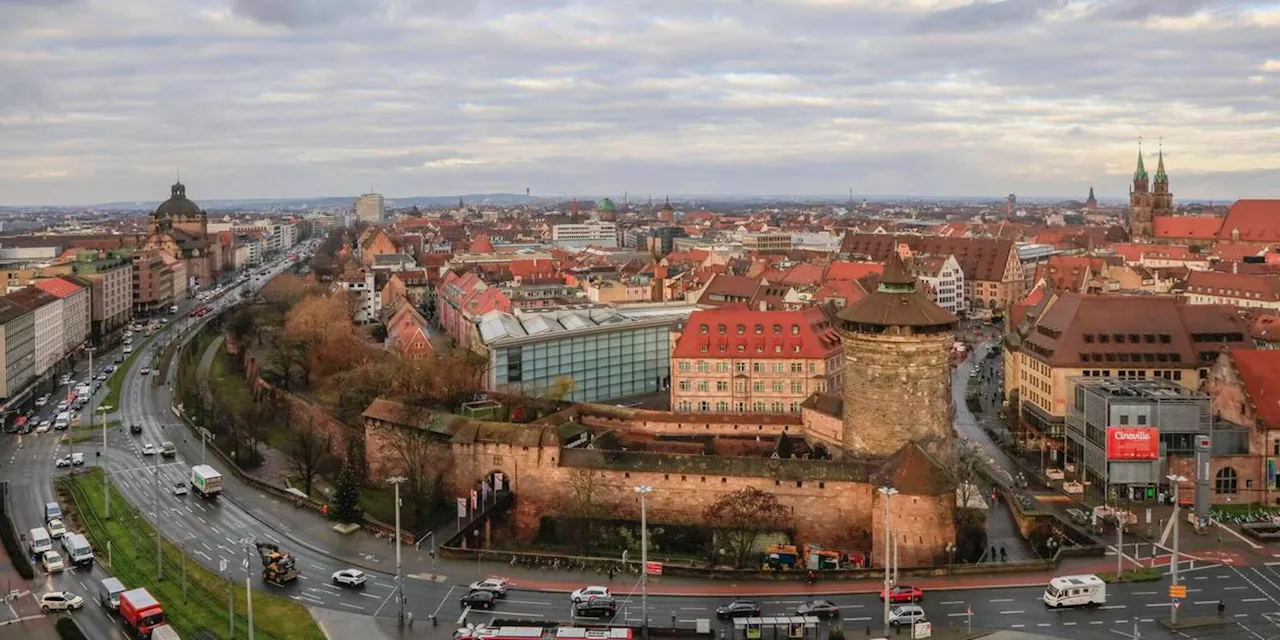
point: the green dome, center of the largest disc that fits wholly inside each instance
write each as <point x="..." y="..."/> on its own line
<point x="605" y="205"/>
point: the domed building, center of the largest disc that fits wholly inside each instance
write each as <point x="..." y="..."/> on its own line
<point x="179" y="230"/>
<point x="606" y="210"/>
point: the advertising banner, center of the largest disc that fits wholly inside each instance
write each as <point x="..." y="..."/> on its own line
<point x="1133" y="443"/>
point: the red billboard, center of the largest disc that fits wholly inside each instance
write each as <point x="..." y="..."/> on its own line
<point x="1133" y="443"/>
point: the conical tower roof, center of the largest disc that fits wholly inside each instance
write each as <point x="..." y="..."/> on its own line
<point x="1141" y="172"/>
<point x="1161" y="176"/>
<point x="896" y="302"/>
<point x="1091" y="194"/>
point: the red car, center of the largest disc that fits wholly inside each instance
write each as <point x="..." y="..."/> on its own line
<point x="904" y="593"/>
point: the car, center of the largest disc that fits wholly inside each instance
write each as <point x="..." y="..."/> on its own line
<point x="738" y="609"/>
<point x="64" y="461"/>
<point x="168" y="450"/>
<point x="148" y="449"/>
<point x="146" y="370"/>
<point x="101" y="377"/>
<point x="819" y="608"/>
<point x="52" y="562"/>
<point x="596" y="608"/>
<point x="906" y="615"/>
<point x="349" y="578"/>
<point x="111" y="368"/>
<point x="586" y="593"/>
<point x="42" y="400"/>
<point x="60" y="601"/>
<point x="496" y="585"/>
<point x="62" y="406"/>
<point x="179" y="489"/>
<point x="77" y="459"/>
<point x="55" y="528"/>
<point x="479" y="599"/>
<point x="43" y="427"/>
<point x="128" y="348"/>
<point x="135" y="428"/>
<point x="904" y="593"/>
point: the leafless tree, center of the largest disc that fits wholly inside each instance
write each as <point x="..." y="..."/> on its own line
<point x="741" y="517"/>
<point x="308" y="451"/>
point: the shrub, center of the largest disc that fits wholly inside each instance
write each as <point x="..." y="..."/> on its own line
<point x="69" y="630"/>
<point x="18" y="555"/>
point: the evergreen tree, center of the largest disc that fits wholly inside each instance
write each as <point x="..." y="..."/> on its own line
<point x="346" y="505"/>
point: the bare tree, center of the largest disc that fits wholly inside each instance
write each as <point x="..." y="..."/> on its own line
<point x="741" y="517"/>
<point x="308" y="451"/>
<point x="421" y="459"/>
<point x="587" y="505"/>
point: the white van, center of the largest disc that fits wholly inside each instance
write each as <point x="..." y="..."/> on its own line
<point x="164" y="632"/>
<point x="1075" y="591"/>
<point x="39" y="541"/>
<point x="77" y="547"/>
<point x="62" y="421"/>
<point x="109" y="593"/>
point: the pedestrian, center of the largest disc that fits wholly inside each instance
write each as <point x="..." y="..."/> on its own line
<point x="1004" y="555"/>
<point x="993" y="553"/>
<point x="610" y="574"/>
<point x="1222" y="608"/>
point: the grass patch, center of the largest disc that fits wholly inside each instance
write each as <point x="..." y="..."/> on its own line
<point x="227" y="384"/>
<point x="203" y="610"/>
<point x="97" y="427"/>
<point x="1144" y="574"/>
<point x="117" y="378"/>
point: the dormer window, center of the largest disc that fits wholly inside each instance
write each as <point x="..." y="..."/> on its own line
<point x="705" y="329"/>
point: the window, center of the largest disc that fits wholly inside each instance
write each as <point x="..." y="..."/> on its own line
<point x="757" y="367"/>
<point x="685" y="406"/>
<point x="797" y="367"/>
<point x="797" y="387"/>
<point x="820" y="386"/>
<point x="684" y="385"/>
<point x="795" y="329"/>
<point x="740" y="406"/>
<point x="777" y="407"/>
<point x="777" y="329"/>
<point x="704" y="329"/>
<point x="704" y="366"/>
<point x="722" y="367"/>
<point x="740" y="367"/>
<point x="703" y="349"/>
<point x="1226" y="481"/>
<point x="777" y="386"/>
<point x="704" y="406"/>
<point x="720" y="329"/>
<point x="702" y="385"/>
<point x="742" y="348"/>
<point x="740" y="386"/>
<point x="1124" y="419"/>
<point x="758" y="386"/>
<point x="779" y="367"/>
<point x="1142" y="420"/>
<point x="1088" y="338"/>
<point x="795" y="349"/>
<point x="758" y="406"/>
<point x="722" y="407"/>
<point x="759" y="329"/>
<point x="795" y="407"/>
<point x="742" y="329"/>
<point x="685" y="366"/>
<point x="722" y="385"/>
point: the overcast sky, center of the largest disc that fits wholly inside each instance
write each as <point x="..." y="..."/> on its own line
<point x="104" y="100"/>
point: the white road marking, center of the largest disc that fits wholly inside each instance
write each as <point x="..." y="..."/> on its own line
<point x="952" y="602"/>
<point x="353" y="606"/>
<point x="369" y="595"/>
<point x="1001" y="600"/>
<point x="515" y="614"/>
<point x="1254" y="600"/>
<point x="856" y="619"/>
<point x="1011" y="613"/>
<point x="540" y="603"/>
<point x="1113" y="606"/>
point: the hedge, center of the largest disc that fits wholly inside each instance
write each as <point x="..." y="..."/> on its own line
<point x="17" y="554"/>
<point x="68" y="629"/>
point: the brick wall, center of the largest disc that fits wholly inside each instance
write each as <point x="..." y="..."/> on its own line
<point x="909" y="377"/>
<point x="302" y="412"/>
<point x="665" y="423"/>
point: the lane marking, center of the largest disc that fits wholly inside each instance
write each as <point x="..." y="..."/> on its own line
<point x="1113" y="606"/>
<point x="856" y="619"/>
<point x="952" y="602"/>
<point x="1012" y="613"/>
<point x="353" y="606"/>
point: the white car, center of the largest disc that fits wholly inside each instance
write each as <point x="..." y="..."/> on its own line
<point x="179" y="489"/>
<point x="43" y="427"/>
<point x="128" y="348"/>
<point x="42" y="400"/>
<point x="55" y="528"/>
<point x="148" y="449"/>
<point x="146" y="370"/>
<point x="64" y="461"/>
<point x="354" y="578"/>
<point x="497" y="585"/>
<point x="77" y="459"/>
<point x="52" y="562"/>
<point x="60" y="601"/>
<point x="587" y="593"/>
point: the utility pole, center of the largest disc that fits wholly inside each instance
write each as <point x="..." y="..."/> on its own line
<point x="106" y="488"/>
<point x="71" y="447"/>
<point x="396" y="482"/>
<point x="1175" y="480"/>
<point x="1119" y="544"/>
<point x="644" y="490"/>
<point x="248" y="585"/>
<point x="888" y="493"/>
<point x="159" y="563"/>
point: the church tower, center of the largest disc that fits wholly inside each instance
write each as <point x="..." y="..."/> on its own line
<point x="897" y="380"/>
<point x="1140" y="204"/>
<point x="1092" y="203"/>
<point x="1161" y="198"/>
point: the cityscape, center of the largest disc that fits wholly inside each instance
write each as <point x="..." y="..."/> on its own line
<point x="736" y="352"/>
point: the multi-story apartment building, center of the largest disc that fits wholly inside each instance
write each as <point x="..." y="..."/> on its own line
<point x="1070" y="335"/>
<point x="767" y="242"/>
<point x="1237" y="289"/>
<point x="18" y="348"/>
<point x="362" y="285"/>
<point x="942" y="280"/>
<point x="371" y="208"/>
<point x="594" y="232"/>
<point x="110" y="281"/>
<point x="76" y="308"/>
<point x="47" y="318"/>
<point x="152" y="284"/>
<point x="743" y="361"/>
<point x="993" y="275"/>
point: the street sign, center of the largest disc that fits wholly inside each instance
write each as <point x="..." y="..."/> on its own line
<point x="1176" y="602"/>
<point x="922" y="630"/>
<point x="1177" y="591"/>
<point x="653" y="568"/>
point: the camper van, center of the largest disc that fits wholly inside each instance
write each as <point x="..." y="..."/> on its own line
<point x="1075" y="591"/>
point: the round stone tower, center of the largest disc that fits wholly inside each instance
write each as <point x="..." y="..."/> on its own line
<point x="897" y="373"/>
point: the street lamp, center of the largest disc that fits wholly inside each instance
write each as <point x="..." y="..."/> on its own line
<point x="106" y="488"/>
<point x="248" y="584"/>
<point x="888" y="493"/>
<point x="396" y="481"/>
<point x="1175" y="480"/>
<point x="644" y="490"/>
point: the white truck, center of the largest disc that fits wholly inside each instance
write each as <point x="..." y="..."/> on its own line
<point x="206" y="481"/>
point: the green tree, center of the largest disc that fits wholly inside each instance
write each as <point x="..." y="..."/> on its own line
<point x="346" y="499"/>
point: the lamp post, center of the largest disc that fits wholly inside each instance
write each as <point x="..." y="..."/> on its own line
<point x="644" y="490"/>
<point x="106" y="488"/>
<point x="1175" y="480"/>
<point x="396" y="481"/>
<point x="248" y="585"/>
<point x="159" y="563"/>
<point x="888" y="493"/>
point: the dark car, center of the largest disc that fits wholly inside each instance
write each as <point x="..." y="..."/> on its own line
<point x="135" y="428"/>
<point x="478" y="600"/>
<point x="819" y="608"/>
<point x="738" y="609"/>
<point x="596" y="607"/>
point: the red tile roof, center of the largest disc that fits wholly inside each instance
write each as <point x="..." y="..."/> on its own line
<point x="843" y="292"/>
<point x="1234" y="285"/>
<point x="1259" y="370"/>
<point x="734" y="332"/>
<point x="1186" y="227"/>
<point x="1137" y="252"/>
<point x="982" y="259"/>
<point x="58" y="287"/>
<point x="1256" y="220"/>
<point x="481" y="245"/>
<point x="847" y="270"/>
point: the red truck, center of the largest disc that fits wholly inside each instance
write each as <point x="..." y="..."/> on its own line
<point x="141" y="612"/>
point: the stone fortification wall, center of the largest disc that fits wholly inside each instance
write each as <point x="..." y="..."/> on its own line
<point x="897" y="388"/>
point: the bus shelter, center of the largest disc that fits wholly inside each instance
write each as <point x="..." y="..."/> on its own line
<point x="776" y="628"/>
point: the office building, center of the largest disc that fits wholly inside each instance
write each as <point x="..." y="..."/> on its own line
<point x="371" y="208"/>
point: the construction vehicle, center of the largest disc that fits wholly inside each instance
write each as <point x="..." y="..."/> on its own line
<point x="818" y="558"/>
<point x="278" y="568"/>
<point x="781" y="557"/>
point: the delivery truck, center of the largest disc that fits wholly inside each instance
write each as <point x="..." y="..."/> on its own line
<point x="141" y="612"/>
<point x="206" y="481"/>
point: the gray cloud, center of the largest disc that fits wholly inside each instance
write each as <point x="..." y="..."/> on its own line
<point x="275" y="98"/>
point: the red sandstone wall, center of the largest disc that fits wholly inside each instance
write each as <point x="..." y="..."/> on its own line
<point x="822" y="426"/>
<point x="923" y="526"/>
<point x="741" y="424"/>
<point x="303" y="412"/>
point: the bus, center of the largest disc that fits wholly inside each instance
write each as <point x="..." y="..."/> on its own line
<point x="1075" y="591"/>
<point x="483" y="632"/>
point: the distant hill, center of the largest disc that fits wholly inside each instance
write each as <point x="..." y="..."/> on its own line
<point x="258" y="204"/>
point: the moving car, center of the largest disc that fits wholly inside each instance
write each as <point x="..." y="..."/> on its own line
<point x="1074" y="591"/>
<point x="56" y="528"/>
<point x="904" y="593"/>
<point x="479" y="599"/>
<point x="168" y="450"/>
<point x="180" y="489"/>
<point x="596" y="608"/>
<point x="906" y="615"/>
<point x="354" y="578"/>
<point x="145" y="370"/>
<point x="496" y="585"/>
<point x="587" y="593"/>
<point x="60" y="601"/>
<point x="64" y="461"/>
<point x="52" y="562"/>
<point x="819" y="608"/>
<point x="42" y="400"/>
<point x="77" y="459"/>
<point x="135" y="428"/>
<point x="738" y="609"/>
<point x="148" y="449"/>
<point x="44" y="427"/>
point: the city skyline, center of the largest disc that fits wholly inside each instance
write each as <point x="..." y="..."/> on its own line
<point x="288" y="99"/>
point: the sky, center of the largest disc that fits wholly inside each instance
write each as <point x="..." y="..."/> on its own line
<point x="107" y="100"/>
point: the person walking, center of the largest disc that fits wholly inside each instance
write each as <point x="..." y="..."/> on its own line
<point x="993" y="553"/>
<point x="1004" y="556"/>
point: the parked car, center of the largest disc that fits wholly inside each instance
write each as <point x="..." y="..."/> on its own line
<point x="145" y="370"/>
<point x="479" y="599"/>
<point x="587" y="593"/>
<point x="496" y="585"/>
<point x="820" y="608"/>
<point x="52" y="562"/>
<point x="60" y="601"/>
<point x="906" y="615"/>
<point x="43" y="427"/>
<point x="738" y="609"/>
<point x="354" y="578"/>
<point x="77" y="459"/>
<point x="904" y="593"/>
<point x="42" y="400"/>
<point x="64" y="461"/>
